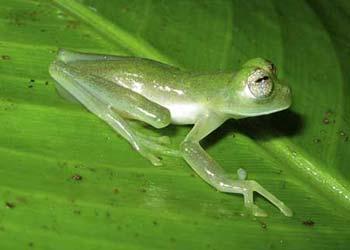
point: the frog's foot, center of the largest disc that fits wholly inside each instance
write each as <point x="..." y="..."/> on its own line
<point x="252" y="186"/>
<point x="156" y="145"/>
<point x="155" y="160"/>
<point x="163" y="140"/>
<point x="152" y="147"/>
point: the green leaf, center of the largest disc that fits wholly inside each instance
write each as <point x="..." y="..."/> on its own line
<point x="68" y="181"/>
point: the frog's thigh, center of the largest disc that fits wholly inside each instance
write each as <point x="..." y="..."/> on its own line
<point x="67" y="81"/>
<point x="71" y="56"/>
<point x="117" y="98"/>
<point x="72" y="83"/>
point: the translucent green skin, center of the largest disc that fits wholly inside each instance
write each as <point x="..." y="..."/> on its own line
<point x="118" y="88"/>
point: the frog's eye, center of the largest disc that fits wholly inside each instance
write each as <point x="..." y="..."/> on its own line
<point x="260" y="84"/>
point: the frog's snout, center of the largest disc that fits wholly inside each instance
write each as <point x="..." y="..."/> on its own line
<point x="287" y="90"/>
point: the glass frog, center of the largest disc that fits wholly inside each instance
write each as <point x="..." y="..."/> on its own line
<point x="117" y="88"/>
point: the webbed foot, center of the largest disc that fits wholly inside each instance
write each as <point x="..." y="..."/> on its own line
<point x="152" y="147"/>
<point x="249" y="187"/>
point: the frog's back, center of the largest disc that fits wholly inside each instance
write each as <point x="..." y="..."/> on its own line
<point x="126" y="71"/>
<point x="158" y="82"/>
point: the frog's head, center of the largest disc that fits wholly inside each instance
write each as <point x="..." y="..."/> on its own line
<point x="257" y="91"/>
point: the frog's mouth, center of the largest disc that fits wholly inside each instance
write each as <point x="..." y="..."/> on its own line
<point x="279" y="101"/>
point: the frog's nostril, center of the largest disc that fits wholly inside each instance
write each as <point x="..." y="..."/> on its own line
<point x="287" y="90"/>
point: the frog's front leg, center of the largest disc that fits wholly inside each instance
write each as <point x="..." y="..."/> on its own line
<point x="213" y="174"/>
<point x="108" y="101"/>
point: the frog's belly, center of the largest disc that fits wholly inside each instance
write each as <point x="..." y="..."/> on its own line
<point x="184" y="113"/>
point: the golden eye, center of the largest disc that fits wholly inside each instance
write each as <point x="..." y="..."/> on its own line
<point x="259" y="84"/>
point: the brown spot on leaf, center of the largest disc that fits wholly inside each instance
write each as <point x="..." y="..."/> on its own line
<point x="5" y="57"/>
<point x="263" y="224"/>
<point x="317" y="140"/>
<point x="308" y="223"/>
<point x="73" y="24"/>
<point x="10" y="205"/>
<point x="328" y="113"/>
<point x="78" y="212"/>
<point x="77" y="177"/>
<point x="31" y="83"/>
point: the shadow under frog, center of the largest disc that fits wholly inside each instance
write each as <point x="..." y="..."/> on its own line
<point x="262" y="128"/>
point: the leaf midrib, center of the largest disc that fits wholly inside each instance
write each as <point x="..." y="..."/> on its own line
<point x="113" y="32"/>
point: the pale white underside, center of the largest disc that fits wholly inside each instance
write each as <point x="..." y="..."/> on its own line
<point x="184" y="113"/>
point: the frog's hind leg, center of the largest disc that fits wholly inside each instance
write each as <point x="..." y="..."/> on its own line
<point x="93" y="92"/>
<point x="68" y="56"/>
